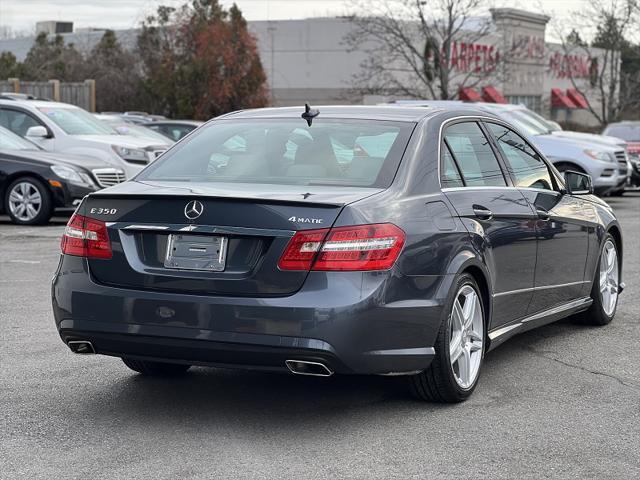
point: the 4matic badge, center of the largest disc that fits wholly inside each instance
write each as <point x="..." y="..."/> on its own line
<point x="305" y="220"/>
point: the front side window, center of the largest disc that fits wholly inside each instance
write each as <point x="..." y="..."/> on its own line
<point x="16" y="121"/>
<point x="286" y="151"/>
<point x="75" y="121"/>
<point x="527" y="167"/>
<point x="473" y="154"/>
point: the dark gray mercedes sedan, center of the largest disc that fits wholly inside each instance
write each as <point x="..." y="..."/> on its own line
<point x="353" y="240"/>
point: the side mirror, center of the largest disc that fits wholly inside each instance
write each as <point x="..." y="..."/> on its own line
<point x="37" y="132"/>
<point x="578" y="183"/>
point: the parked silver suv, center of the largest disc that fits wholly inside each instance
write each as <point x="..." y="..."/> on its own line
<point x="63" y="128"/>
<point x="606" y="163"/>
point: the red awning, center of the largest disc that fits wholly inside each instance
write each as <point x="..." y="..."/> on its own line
<point x="492" y="95"/>
<point x="577" y="98"/>
<point x="469" y="95"/>
<point x="560" y="100"/>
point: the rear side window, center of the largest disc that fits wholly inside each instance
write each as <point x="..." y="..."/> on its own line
<point x="473" y="154"/>
<point x="286" y="151"/>
<point x="174" y="132"/>
<point x="526" y="166"/>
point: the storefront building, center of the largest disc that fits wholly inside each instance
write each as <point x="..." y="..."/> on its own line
<point x="310" y="61"/>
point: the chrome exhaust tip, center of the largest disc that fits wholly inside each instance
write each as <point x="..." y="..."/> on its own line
<point x="81" y="347"/>
<point x="303" y="367"/>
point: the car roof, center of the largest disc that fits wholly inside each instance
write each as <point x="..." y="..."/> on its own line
<point x="35" y="103"/>
<point x="369" y="112"/>
<point x="460" y="104"/>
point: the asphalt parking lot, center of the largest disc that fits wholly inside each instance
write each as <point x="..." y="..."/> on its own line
<point x="562" y="401"/>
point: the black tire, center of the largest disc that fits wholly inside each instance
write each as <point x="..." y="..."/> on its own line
<point x="437" y="383"/>
<point x="617" y="193"/>
<point x="156" y="369"/>
<point x="596" y="314"/>
<point x="46" y="206"/>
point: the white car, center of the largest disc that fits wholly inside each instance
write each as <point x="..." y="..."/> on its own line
<point x="63" y="128"/>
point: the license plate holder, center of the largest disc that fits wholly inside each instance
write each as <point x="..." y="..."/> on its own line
<point x="206" y="253"/>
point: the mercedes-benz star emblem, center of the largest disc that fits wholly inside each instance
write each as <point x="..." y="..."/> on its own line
<point x="193" y="209"/>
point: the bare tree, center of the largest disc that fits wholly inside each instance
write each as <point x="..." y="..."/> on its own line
<point x="609" y="90"/>
<point x="422" y="48"/>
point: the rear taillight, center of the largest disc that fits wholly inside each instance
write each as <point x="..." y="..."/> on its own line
<point x="360" y="247"/>
<point x="86" y="237"/>
<point x="302" y="249"/>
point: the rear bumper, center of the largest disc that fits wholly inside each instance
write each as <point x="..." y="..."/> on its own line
<point x="351" y="321"/>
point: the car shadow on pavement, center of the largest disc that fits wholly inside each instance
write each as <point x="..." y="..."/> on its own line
<point x="221" y="397"/>
<point x="56" y="221"/>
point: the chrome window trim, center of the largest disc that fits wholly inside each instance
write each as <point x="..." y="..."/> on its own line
<point x="484" y="118"/>
<point x="440" y="139"/>
<point x="476" y="187"/>
<point x="544" y="160"/>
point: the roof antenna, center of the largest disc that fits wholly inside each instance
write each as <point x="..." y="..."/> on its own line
<point x="310" y="113"/>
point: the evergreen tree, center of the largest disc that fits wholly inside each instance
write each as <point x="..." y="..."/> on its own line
<point x="116" y="74"/>
<point x="53" y="58"/>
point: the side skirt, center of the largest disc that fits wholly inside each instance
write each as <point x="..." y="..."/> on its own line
<point x="499" y="335"/>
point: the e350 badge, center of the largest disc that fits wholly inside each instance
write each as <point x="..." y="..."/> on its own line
<point x="104" y="211"/>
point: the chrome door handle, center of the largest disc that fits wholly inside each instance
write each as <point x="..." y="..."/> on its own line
<point x="482" y="212"/>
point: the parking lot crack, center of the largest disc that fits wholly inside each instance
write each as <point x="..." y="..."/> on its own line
<point x="625" y="383"/>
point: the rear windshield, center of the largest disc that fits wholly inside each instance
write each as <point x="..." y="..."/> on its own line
<point x="363" y="153"/>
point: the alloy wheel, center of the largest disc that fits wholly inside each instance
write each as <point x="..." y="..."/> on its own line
<point x="466" y="336"/>
<point x="609" y="278"/>
<point x="25" y="201"/>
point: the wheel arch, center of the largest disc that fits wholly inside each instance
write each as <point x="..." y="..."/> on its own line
<point x="616" y="233"/>
<point x="570" y="164"/>
<point x="469" y="262"/>
<point x="22" y="174"/>
<point x="480" y="278"/>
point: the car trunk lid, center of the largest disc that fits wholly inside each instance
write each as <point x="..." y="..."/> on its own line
<point x="159" y="243"/>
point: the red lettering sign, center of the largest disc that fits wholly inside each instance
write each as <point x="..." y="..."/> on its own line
<point x="572" y="66"/>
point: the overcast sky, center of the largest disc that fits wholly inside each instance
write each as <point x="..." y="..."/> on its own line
<point x="21" y="15"/>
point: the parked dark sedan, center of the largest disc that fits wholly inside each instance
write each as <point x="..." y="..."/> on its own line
<point x="174" y="129"/>
<point x="33" y="183"/>
<point x="369" y="240"/>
